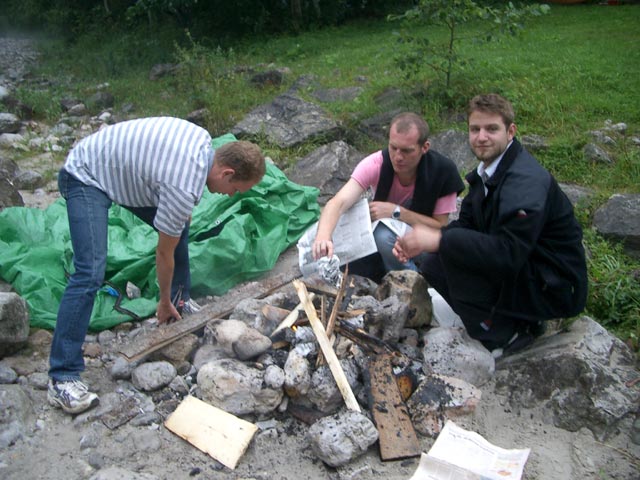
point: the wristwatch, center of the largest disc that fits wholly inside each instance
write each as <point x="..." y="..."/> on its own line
<point x="396" y="213"/>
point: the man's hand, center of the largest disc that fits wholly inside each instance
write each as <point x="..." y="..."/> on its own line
<point x="346" y="197"/>
<point x="420" y="239"/>
<point x="322" y="248"/>
<point x="379" y="210"/>
<point x="167" y="313"/>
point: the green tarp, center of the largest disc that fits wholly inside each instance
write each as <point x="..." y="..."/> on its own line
<point x="232" y="239"/>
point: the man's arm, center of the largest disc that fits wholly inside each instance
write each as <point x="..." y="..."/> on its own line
<point x="346" y="197"/>
<point x="164" y="267"/>
<point x="379" y="210"/>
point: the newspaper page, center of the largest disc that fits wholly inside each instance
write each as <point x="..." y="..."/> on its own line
<point x="352" y="238"/>
<point x="430" y="468"/>
<point x="396" y="226"/>
<point x="456" y="448"/>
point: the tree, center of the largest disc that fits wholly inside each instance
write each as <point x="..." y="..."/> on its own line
<point x="444" y="57"/>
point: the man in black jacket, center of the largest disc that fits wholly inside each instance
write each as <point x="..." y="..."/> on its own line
<point x="514" y="258"/>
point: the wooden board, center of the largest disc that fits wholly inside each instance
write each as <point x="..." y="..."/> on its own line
<point x="218" y="433"/>
<point x="398" y="438"/>
<point x="154" y="339"/>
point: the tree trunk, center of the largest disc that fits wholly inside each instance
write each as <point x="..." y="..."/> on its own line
<point x="296" y="15"/>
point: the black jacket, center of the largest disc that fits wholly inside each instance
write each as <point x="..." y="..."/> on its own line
<point x="525" y="236"/>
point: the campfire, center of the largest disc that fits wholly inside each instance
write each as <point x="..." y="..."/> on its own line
<point x="337" y="359"/>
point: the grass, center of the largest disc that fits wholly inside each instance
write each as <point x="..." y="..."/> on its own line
<point x="566" y="74"/>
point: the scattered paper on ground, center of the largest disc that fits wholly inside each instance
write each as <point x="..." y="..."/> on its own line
<point x="220" y="434"/>
<point x="459" y="454"/>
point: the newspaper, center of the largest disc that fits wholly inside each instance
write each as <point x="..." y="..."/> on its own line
<point x="396" y="226"/>
<point x="459" y="454"/>
<point x="352" y="238"/>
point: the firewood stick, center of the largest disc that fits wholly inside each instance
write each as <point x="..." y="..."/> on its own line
<point x="329" y="354"/>
<point x="336" y="305"/>
<point x="365" y="339"/>
<point x="334" y="314"/>
<point x="291" y="318"/>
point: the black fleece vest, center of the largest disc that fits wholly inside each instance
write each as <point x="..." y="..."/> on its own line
<point x="437" y="176"/>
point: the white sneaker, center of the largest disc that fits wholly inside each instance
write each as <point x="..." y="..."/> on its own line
<point x="72" y="396"/>
<point x="190" y="307"/>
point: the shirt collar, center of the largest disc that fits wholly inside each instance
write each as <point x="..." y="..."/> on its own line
<point x="491" y="169"/>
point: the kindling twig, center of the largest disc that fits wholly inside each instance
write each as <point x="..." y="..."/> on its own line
<point x="359" y="336"/>
<point x="334" y="314"/>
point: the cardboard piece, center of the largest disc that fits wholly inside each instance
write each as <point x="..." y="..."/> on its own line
<point x="220" y="434"/>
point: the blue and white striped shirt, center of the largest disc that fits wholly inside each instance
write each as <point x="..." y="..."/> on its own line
<point x="158" y="162"/>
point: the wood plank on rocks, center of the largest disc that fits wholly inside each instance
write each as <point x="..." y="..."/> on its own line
<point x="152" y="340"/>
<point x="398" y="438"/>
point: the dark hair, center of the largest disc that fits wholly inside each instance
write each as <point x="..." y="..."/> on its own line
<point x="493" y="103"/>
<point x="245" y="158"/>
<point x="404" y="121"/>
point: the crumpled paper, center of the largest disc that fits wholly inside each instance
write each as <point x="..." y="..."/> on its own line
<point x="329" y="270"/>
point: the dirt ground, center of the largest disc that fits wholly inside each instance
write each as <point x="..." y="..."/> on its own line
<point x="66" y="448"/>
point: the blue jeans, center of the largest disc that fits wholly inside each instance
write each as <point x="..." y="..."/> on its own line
<point x="88" y="212"/>
<point x="181" y="270"/>
<point x="385" y="240"/>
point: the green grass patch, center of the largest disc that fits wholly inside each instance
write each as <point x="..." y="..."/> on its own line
<point x="614" y="286"/>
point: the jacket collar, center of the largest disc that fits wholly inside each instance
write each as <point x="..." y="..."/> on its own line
<point x="508" y="157"/>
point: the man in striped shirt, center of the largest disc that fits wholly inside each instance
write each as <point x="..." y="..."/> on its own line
<point x="157" y="168"/>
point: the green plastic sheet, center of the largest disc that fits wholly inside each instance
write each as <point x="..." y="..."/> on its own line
<point x="232" y="239"/>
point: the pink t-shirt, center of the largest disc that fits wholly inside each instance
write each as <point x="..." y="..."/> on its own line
<point x="367" y="174"/>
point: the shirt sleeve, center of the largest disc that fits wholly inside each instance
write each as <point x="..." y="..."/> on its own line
<point x="446" y="204"/>
<point x="367" y="172"/>
<point x="174" y="209"/>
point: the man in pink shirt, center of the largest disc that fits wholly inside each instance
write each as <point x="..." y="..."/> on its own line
<point x="411" y="183"/>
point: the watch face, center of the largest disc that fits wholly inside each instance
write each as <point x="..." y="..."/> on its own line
<point x="396" y="213"/>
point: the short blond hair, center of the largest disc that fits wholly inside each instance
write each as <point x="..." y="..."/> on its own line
<point x="404" y="121"/>
<point x="245" y="158"/>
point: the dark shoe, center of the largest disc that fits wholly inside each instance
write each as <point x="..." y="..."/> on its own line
<point x="72" y="396"/>
<point x="537" y="329"/>
<point x="518" y="342"/>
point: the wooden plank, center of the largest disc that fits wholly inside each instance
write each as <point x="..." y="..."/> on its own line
<point x="291" y="318"/>
<point x="325" y="346"/>
<point x="320" y="287"/>
<point x="220" y="434"/>
<point x="155" y="339"/>
<point x="398" y="438"/>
